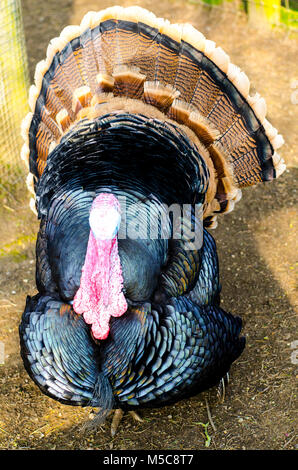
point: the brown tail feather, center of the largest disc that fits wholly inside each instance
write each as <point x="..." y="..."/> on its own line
<point x="128" y="52"/>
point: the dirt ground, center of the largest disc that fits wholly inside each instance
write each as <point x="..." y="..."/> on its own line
<point x="257" y="248"/>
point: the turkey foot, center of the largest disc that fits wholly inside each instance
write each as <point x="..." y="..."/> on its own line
<point x="221" y="388"/>
<point x="118" y="415"/>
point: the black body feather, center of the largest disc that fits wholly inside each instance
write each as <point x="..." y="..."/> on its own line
<point x="174" y="341"/>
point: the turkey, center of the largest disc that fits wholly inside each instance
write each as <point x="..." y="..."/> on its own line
<point x="141" y="133"/>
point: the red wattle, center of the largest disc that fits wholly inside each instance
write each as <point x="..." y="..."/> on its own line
<point x="100" y="293"/>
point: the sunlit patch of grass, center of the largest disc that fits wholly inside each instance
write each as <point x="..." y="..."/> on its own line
<point x="16" y="248"/>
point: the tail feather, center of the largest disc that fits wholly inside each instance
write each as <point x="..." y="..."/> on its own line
<point x="130" y="53"/>
<point x="188" y="74"/>
<point x="89" y="64"/>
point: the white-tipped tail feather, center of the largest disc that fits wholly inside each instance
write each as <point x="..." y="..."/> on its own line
<point x="101" y="69"/>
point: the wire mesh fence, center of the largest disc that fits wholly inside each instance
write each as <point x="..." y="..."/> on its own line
<point x="13" y="93"/>
<point x="14" y="82"/>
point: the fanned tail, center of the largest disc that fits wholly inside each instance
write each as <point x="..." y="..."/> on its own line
<point x="138" y="63"/>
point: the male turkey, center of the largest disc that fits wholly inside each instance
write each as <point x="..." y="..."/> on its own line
<point x="132" y="115"/>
